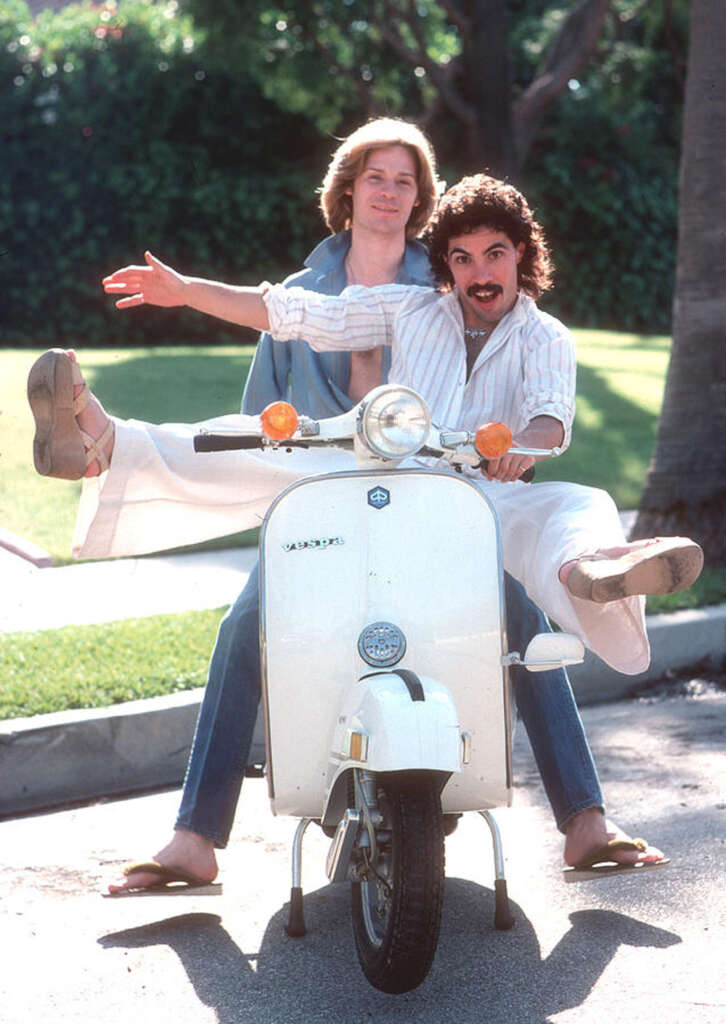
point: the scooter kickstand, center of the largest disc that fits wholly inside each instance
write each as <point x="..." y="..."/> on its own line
<point x="503" y="917"/>
<point x="295" y="926"/>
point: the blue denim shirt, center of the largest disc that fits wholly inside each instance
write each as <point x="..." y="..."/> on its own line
<point x="316" y="382"/>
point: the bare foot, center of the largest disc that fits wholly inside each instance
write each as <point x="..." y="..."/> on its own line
<point x="93" y="420"/>
<point x="187" y="851"/>
<point x="591" y="829"/>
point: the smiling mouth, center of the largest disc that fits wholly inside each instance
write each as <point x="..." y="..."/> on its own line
<point x="484" y="292"/>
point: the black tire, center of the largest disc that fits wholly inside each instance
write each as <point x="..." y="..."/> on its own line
<point x="397" y="911"/>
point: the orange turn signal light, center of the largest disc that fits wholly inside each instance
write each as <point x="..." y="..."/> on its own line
<point x="492" y="440"/>
<point x="279" y="421"/>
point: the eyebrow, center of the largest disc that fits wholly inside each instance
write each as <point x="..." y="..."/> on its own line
<point x="401" y="174"/>
<point x="466" y="252"/>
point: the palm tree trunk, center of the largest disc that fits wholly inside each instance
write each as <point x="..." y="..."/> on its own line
<point x="685" y="489"/>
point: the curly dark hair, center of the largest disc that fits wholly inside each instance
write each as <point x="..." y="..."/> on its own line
<point x="483" y="202"/>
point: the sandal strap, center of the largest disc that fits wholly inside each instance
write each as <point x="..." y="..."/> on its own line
<point x="95" y="447"/>
<point x="81" y="401"/>
<point x="76" y="374"/>
<point x="83" y="398"/>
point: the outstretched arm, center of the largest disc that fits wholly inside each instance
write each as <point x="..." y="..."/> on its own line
<point x="158" y="285"/>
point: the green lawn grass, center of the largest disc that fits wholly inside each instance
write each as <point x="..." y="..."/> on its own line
<point x="95" y="666"/>
<point x="620" y="381"/>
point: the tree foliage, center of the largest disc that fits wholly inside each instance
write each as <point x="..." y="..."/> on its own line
<point x="115" y="137"/>
<point x="203" y="131"/>
<point x="578" y="103"/>
<point x="490" y="70"/>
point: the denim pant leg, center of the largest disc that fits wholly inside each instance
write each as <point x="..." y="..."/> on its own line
<point x="225" y="724"/>
<point x="547" y="707"/>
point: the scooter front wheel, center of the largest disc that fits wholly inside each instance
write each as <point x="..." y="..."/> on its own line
<point x="397" y="907"/>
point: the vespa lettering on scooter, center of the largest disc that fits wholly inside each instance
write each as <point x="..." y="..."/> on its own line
<point x="401" y="691"/>
<point x="315" y="544"/>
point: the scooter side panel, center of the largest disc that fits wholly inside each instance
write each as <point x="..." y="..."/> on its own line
<point x="337" y="556"/>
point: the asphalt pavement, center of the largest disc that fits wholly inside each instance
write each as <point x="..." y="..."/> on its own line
<point x="645" y="948"/>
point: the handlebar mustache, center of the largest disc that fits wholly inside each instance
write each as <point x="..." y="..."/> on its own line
<point x="473" y="288"/>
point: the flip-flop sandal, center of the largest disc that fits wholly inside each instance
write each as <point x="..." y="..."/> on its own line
<point x="665" y="566"/>
<point x="599" y="863"/>
<point x="60" y="448"/>
<point x="171" y="882"/>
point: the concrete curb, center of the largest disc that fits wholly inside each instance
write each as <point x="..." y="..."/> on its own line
<point x="678" y="642"/>
<point x="23" y="548"/>
<point x="78" y="755"/>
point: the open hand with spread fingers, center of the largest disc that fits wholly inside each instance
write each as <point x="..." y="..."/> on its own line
<point x="154" y="285"/>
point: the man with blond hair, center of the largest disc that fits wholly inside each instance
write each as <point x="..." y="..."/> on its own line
<point x="377" y="196"/>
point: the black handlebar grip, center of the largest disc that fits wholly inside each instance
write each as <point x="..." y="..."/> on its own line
<point x="224" y="443"/>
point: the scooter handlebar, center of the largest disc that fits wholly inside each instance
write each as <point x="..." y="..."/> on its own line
<point x="225" y="442"/>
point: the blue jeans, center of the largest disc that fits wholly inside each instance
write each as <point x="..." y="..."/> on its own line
<point x="227" y="719"/>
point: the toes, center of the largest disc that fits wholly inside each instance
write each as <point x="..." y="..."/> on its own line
<point x="136" y="880"/>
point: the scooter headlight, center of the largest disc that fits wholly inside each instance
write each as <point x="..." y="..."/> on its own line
<point x="395" y="422"/>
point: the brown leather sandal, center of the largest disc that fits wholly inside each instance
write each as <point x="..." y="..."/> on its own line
<point x="60" y="447"/>
<point x="663" y="566"/>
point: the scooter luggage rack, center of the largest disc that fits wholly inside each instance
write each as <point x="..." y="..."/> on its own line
<point x="503" y="917"/>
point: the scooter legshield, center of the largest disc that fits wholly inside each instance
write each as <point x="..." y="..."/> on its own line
<point x="415" y="548"/>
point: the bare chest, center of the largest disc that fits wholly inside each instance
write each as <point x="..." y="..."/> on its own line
<point x="365" y="372"/>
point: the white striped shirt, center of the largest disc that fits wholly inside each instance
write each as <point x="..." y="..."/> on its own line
<point x="526" y="369"/>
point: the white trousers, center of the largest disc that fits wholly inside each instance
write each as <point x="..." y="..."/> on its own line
<point x="160" y="494"/>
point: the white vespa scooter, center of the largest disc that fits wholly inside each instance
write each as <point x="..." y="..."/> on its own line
<point x="385" y="690"/>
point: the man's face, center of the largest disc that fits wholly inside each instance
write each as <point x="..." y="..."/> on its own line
<point x="386" y="191"/>
<point x="484" y="267"/>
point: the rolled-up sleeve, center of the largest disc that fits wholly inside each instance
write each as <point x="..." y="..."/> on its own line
<point x="550" y="371"/>
<point x="358" y="318"/>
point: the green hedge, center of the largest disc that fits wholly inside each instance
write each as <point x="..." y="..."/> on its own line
<point x="115" y="138"/>
<point x="118" y="135"/>
<point x="606" y="191"/>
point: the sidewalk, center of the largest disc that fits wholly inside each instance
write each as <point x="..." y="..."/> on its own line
<point x="52" y="759"/>
<point x="92" y="592"/>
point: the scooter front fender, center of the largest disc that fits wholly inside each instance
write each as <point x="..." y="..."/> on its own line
<point x="392" y="721"/>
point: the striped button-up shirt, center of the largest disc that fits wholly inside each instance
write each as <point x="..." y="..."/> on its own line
<point x="525" y="369"/>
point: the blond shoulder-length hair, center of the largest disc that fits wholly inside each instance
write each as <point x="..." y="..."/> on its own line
<point x="349" y="160"/>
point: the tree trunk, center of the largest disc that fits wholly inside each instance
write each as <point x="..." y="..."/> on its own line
<point x="685" y="489"/>
<point x="487" y="86"/>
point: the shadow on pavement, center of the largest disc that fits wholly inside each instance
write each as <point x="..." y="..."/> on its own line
<point x="477" y="970"/>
